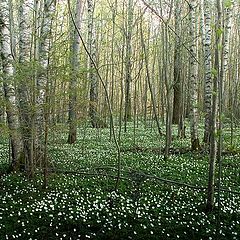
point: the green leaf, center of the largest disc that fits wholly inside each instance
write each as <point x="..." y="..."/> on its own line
<point x="227" y="3"/>
<point x="214" y="93"/>
<point x="219" y="32"/>
<point x="214" y="72"/>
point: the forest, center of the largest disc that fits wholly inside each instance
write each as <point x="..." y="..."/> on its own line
<point x="119" y="119"/>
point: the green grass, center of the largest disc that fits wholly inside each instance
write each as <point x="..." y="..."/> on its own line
<point x="87" y="207"/>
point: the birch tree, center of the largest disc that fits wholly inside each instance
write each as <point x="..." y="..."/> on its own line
<point x="43" y="106"/>
<point x="193" y="77"/>
<point x="207" y="69"/>
<point x="7" y="75"/>
<point x="226" y="27"/>
<point x="42" y="80"/>
<point x="26" y="105"/>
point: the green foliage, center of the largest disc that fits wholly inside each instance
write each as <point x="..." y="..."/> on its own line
<point x="227" y="3"/>
<point x="214" y="72"/>
<point x="219" y="32"/>
<point x="82" y="207"/>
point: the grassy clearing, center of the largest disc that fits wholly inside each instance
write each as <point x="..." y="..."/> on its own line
<point x="87" y="207"/>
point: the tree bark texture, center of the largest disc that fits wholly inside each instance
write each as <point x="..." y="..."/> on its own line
<point x="193" y="77"/>
<point x="75" y="64"/>
<point x="7" y="72"/>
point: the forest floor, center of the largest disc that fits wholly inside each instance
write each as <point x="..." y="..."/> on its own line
<point x="156" y="198"/>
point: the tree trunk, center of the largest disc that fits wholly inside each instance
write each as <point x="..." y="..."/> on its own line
<point x="193" y="78"/>
<point x="227" y="22"/>
<point x="27" y="113"/>
<point x="167" y="80"/>
<point x="128" y="64"/>
<point x="93" y="78"/>
<point x="213" y="143"/>
<point x="208" y="71"/>
<point x="43" y="106"/>
<point x="177" y="97"/>
<point x="149" y="82"/>
<point x="75" y="64"/>
<point x="7" y="72"/>
<point x="42" y="80"/>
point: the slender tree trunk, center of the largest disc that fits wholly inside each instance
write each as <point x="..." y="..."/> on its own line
<point x="213" y="143"/>
<point x="128" y="64"/>
<point x="208" y="70"/>
<point x="177" y="99"/>
<point x="42" y="81"/>
<point x="168" y="94"/>
<point x="75" y="64"/>
<point x="193" y="78"/>
<point x="113" y="66"/>
<point x="93" y="78"/>
<point x="155" y="116"/>
<point x="227" y="22"/>
<point x="2" y="97"/>
<point x="42" y="118"/>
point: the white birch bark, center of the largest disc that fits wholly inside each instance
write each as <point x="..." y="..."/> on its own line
<point x="7" y="73"/>
<point x="42" y="79"/>
<point x="2" y="99"/>
<point x="227" y="24"/>
<point x="193" y="77"/>
<point x="25" y="7"/>
<point x="24" y="91"/>
<point x="207" y="69"/>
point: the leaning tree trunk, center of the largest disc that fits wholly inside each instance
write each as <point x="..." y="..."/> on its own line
<point x="208" y="70"/>
<point x="193" y="77"/>
<point x="25" y="82"/>
<point x="93" y="78"/>
<point x="8" y="82"/>
<point x="75" y="64"/>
